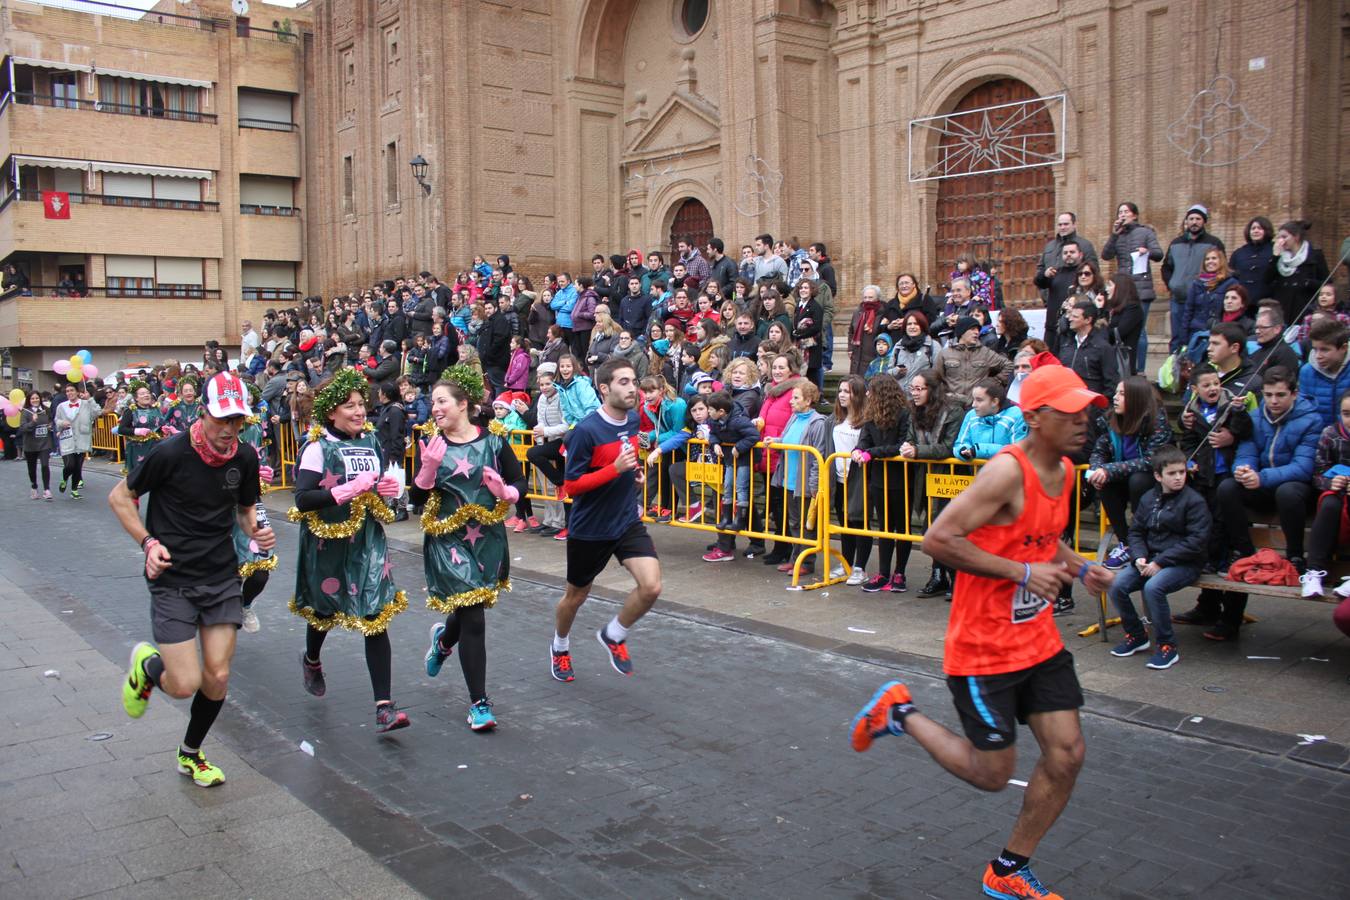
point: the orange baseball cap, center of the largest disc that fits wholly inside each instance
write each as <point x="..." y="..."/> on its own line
<point x="1059" y="388"/>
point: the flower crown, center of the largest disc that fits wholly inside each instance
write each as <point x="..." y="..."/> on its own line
<point x="336" y="392"/>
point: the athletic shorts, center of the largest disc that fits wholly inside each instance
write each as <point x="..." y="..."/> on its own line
<point x="176" y="612"/>
<point x="991" y="705"/>
<point x="587" y="559"/>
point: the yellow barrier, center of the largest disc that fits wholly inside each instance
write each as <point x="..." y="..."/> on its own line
<point x="286" y="450"/>
<point x="105" y="438"/>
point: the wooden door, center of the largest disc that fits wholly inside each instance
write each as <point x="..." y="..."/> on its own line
<point x="693" y="223"/>
<point x="1006" y="217"/>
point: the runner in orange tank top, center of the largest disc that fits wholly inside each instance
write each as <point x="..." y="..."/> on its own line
<point x="1004" y="659"/>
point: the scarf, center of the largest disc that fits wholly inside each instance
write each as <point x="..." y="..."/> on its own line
<point x="912" y="344"/>
<point x="866" y="322"/>
<point x="1288" y="263"/>
<point x="1208" y="280"/>
<point x="905" y="299"/>
<point x="206" y="451"/>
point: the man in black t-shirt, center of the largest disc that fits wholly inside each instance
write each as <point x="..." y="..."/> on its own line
<point x="201" y="482"/>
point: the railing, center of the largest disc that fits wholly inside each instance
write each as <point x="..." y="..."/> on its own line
<point x="268" y="293"/>
<point x="267" y="124"/>
<point x="162" y="292"/>
<point x="257" y="209"/>
<point x="29" y="195"/>
<point x="105" y="436"/>
<point x="55" y="101"/>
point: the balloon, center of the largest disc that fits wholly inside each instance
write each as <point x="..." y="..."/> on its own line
<point x="16" y="397"/>
<point x="61" y="366"/>
<point x="9" y="409"/>
<point x="76" y="361"/>
<point x="90" y="371"/>
<point x="12" y="421"/>
<point x="85" y="357"/>
<point x="74" y="376"/>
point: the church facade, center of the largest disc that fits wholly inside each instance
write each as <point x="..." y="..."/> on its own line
<point x="898" y="132"/>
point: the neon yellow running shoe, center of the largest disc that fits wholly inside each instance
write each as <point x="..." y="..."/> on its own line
<point x="137" y="686"/>
<point x="202" y="772"/>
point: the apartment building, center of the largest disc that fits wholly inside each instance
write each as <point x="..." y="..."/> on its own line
<point x="150" y="177"/>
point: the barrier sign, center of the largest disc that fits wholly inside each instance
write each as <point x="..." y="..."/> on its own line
<point x="945" y="487"/>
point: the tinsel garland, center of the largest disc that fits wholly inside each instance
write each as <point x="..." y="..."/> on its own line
<point x="484" y="595"/>
<point x="368" y="627"/>
<point x="456" y="520"/>
<point x="369" y="502"/>
<point x="257" y="565"/>
<point x="142" y="439"/>
<point x="343" y="384"/>
<point x="316" y="430"/>
<point x="496" y="427"/>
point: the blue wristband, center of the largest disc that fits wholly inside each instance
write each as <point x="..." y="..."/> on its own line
<point x="1026" y="577"/>
<point x="1082" y="572"/>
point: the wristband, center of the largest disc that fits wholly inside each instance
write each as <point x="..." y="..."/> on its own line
<point x="1026" y="577"/>
<point x="149" y="541"/>
<point x="1082" y="572"/>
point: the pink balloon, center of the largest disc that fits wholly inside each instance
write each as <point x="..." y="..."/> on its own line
<point x="90" y="370"/>
<point x="9" y="409"/>
<point x="61" y="366"/>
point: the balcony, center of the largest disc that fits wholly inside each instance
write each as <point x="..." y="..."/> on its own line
<point x="44" y="321"/>
<point x="268" y="148"/>
<point x="268" y="235"/>
<point x="70" y="130"/>
<point x="21" y="98"/>
<point x="101" y="224"/>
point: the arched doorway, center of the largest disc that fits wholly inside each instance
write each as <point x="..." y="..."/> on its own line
<point x="1002" y="217"/>
<point x="692" y="223"/>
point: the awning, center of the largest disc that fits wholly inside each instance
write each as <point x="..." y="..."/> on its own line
<point x="162" y="79"/>
<point x="49" y="64"/>
<point x="56" y="162"/>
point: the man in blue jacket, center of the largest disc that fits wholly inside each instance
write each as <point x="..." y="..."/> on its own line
<point x="1326" y="374"/>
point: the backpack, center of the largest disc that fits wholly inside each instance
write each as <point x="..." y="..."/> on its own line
<point x="1175" y="373"/>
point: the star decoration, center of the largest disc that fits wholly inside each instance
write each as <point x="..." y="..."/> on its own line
<point x="329" y="481"/>
<point x="386" y="568"/>
<point x="473" y="534"/>
<point x="462" y="467"/>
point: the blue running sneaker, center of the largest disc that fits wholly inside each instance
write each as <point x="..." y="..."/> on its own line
<point x="1118" y="558"/>
<point x="436" y="655"/>
<point x="1131" y="645"/>
<point x="1165" y="657"/>
<point x="481" y="717"/>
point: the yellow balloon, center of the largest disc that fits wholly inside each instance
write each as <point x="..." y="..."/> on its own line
<point x="12" y="421"/>
<point x="76" y="363"/>
<point x="74" y="376"/>
<point x="16" y="397"/>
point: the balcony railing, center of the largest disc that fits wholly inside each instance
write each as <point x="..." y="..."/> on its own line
<point x="158" y="292"/>
<point x="29" y="195"/>
<point x="267" y="124"/>
<point x="269" y="293"/>
<point x="54" y="101"/>
<point x="257" y="209"/>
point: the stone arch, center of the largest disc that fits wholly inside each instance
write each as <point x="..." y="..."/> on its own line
<point x="668" y="199"/>
<point x="598" y="40"/>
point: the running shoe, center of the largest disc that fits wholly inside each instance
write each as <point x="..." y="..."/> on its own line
<point x="1063" y="606"/>
<point x="389" y="718"/>
<point x="876" y="583"/>
<point x="520" y="527"/>
<point x="75" y="493"/>
<point x="562" y="665"/>
<point x="1131" y="645"/>
<point x="481" y="717"/>
<point x="694" y="510"/>
<point x="202" y="773"/>
<point x="1118" y="558"/>
<point x="561" y="535"/>
<point x="1312" y="582"/>
<point x="1343" y="589"/>
<point x="47" y="495"/>
<point x="874" y="719"/>
<point x="618" y="653"/>
<point x="838" y="572"/>
<point x="251" y="623"/>
<point x="664" y="517"/>
<point x="514" y="523"/>
<point x="1020" y="885"/>
<point x="856" y="577"/>
<point x="137" y="687"/>
<point x="717" y="554"/>
<point x="547" y="531"/>
<point x="313" y="674"/>
<point x="1165" y="657"/>
<point x="898" y="584"/>
<point x="533" y="525"/>
<point x="35" y="494"/>
<point x="787" y="566"/>
<point x="62" y="486"/>
<point x="436" y="655"/>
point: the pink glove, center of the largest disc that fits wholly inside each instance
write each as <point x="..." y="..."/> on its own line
<point x="866" y="457"/>
<point x="265" y="473"/>
<point x="343" y="493"/>
<point x="140" y="432"/>
<point x="388" y="487"/>
<point x="433" y="451"/>
<point x="500" y="489"/>
<point x="168" y="430"/>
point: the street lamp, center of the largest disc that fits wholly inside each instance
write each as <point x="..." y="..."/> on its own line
<point x="419" y="168"/>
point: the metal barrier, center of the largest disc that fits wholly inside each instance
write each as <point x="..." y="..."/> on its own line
<point x="286" y="450"/>
<point x="105" y="436"/>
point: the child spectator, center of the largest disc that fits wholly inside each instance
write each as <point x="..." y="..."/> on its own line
<point x="1331" y="524"/>
<point x="692" y="491"/>
<point x="1168" y="539"/>
<point x="797" y="471"/>
<point x="1326" y="374"/>
<point x="661" y="419"/>
<point x="881" y="363"/>
<point x="730" y="426"/>
<point x="1122" y="458"/>
<point x="991" y="424"/>
<point x="504" y="412"/>
<point x="518" y="369"/>
<point x="1212" y="422"/>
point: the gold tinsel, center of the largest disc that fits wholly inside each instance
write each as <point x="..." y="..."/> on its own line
<point x="484" y="595"/>
<point x="316" y="430"/>
<point x="497" y="428"/>
<point x="257" y="565"/>
<point x="369" y="502"/>
<point x="428" y="428"/>
<point x="455" y="521"/>
<point x="368" y="627"/>
<point x="143" y="439"/>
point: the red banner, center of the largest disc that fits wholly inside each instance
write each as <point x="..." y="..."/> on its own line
<point x="56" y="204"/>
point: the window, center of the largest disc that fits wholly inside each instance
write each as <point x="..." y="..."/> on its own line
<point x="134" y="96"/>
<point x="693" y="16"/>
<point x="65" y="90"/>
<point x="265" y="109"/>
<point x="150" y="276"/>
<point x="347" y="74"/>
<point x="391" y="173"/>
<point x="348" y="186"/>
<point x="264" y="280"/>
<point x="393" y="59"/>
<point x="265" y="195"/>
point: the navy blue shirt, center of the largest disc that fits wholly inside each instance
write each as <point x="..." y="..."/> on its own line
<point x="604" y="501"/>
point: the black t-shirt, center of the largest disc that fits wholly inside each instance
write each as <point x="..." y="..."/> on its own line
<point x="192" y="507"/>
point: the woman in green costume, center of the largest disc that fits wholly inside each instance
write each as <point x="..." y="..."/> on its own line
<point x="342" y="569"/>
<point x="468" y="477"/>
<point x="140" y="425"/>
<point x="255" y="564"/>
<point x="181" y="413"/>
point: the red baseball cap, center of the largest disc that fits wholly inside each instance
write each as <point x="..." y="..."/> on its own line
<point x="226" y="396"/>
<point x="1059" y="388"/>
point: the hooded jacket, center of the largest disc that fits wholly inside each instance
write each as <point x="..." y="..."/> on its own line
<point x="913" y="357"/>
<point x="669" y="419"/>
<point x="986" y="435"/>
<point x="1171" y="529"/>
<point x="1284" y="449"/>
<point x="1323" y="389"/>
<point x="579" y="399"/>
<point x="746" y="345"/>
<point x="562" y="303"/>
<point x="737" y="429"/>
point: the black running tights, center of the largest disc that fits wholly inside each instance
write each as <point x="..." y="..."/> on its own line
<point x="379" y="658"/>
<point x="34" y="461"/>
<point x="72" y="469"/>
<point x="253" y="586"/>
<point x="468" y="628"/>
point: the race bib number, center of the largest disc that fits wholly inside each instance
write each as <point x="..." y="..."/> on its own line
<point x="40" y="431"/>
<point x="1026" y="605"/>
<point x="359" y="460"/>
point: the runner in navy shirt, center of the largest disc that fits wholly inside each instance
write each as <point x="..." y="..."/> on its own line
<point x="602" y="478"/>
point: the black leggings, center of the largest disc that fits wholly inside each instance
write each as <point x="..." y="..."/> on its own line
<point x="379" y="658"/>
<point x="468" y="628"/>
<point x="72" y="469"/>
<point x="849" y="544"/>
<point x="35" y="459"/>
<point x="253" y="586"/>
<point x="1326" y="528"/>
<point x="1116" y="494"/>
<point x="889" y="512"/>
<point x="547" y="458"/>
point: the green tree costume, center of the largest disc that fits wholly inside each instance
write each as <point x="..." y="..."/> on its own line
<point x="246" y="552"/>
<point x="464" y="550"/>
<point x="181" y="414"/>
<point x="343" y="575"/>
<point x="137" y="447"/>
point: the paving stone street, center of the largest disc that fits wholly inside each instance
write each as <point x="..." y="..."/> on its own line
<point x="721" y="769"/>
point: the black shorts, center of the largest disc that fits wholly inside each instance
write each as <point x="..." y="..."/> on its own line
<point x="990" y="705"/>
<point x="177" y="612"/>
<point x="587" y="559"/>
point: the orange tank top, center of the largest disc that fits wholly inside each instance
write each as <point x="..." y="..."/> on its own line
<point x="995" y="626"/>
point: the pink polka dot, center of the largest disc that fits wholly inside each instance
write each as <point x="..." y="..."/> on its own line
<point x="330" y="586"/>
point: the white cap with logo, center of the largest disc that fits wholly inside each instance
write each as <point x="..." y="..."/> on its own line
<point x="226" y="396"/>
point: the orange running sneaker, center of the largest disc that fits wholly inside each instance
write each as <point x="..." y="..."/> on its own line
<point x="874" y="719"/>
<point x="1020" y="885"/>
